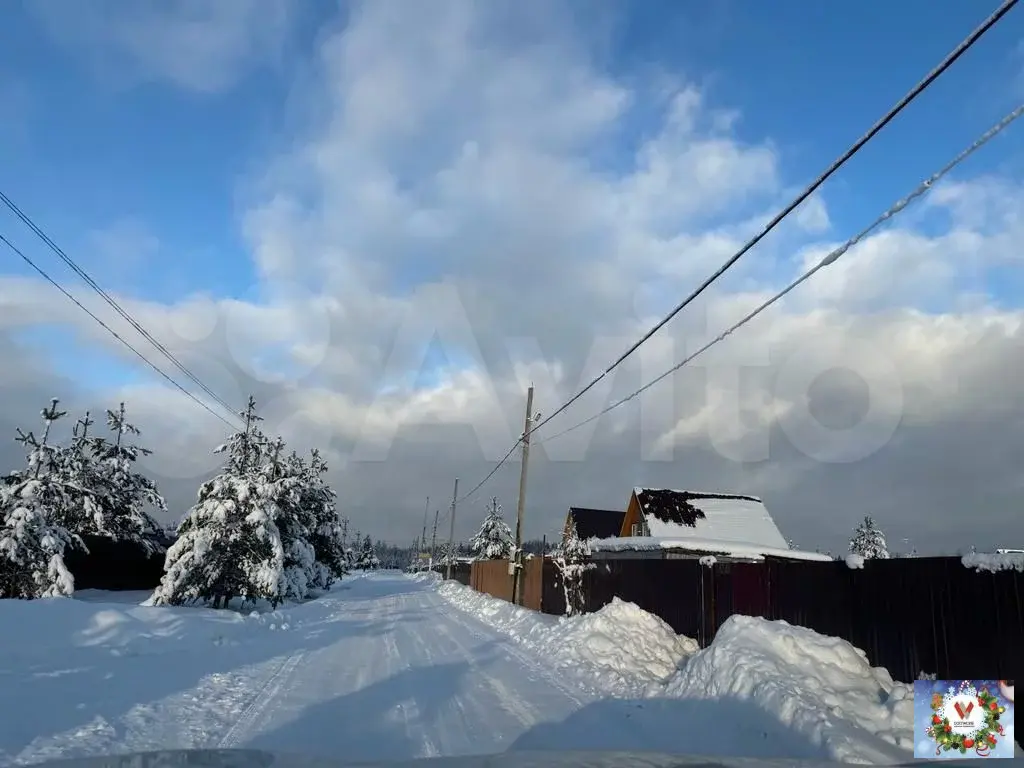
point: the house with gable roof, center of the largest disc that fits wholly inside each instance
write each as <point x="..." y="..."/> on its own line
<point x="664" y="523"/>
<point x="593" y="523"/>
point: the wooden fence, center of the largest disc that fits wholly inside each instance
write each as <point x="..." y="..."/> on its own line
<point x="114" y="565"/>
<point x="909" y="615"/>
<point x="492" y="578"/>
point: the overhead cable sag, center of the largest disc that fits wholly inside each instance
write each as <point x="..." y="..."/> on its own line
<point x="109" y="300"/>
<point x="39" y="270"/>
<point x="828" y="260"/>
<point x="912" y="94"/>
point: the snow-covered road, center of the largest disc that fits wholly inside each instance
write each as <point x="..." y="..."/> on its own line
<point x="382" y="668"/>
<point x="422" y="680"/>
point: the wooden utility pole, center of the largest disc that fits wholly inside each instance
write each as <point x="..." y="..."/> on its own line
<point x="433" y="539"/>
<point x="423" y="538"/>
<point x="517" y="578"/>
<point x="451" y="532"/>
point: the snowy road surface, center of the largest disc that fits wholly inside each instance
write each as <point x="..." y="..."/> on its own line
<point x="382" y="668"/>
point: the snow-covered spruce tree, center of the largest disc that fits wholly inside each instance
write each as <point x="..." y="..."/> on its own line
<point x="366" y="557"/>
<point x="294" y="522"/>
<point x="351" y="551"/>
<point x="572" y="561"/>
<point x="868" y="541"/>
<point x="120" y="497"/>
<point x="229" y="544"/>
<point x="327" y="534"/>
<point x="494" y="539"/>
<point x="32" y="502"/>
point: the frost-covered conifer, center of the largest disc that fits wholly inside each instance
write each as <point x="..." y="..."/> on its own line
<point x="494" y="539"/>
<point x="32" y="504"/>
<point x="366" y="557"/>
<point x="123" y="495"/>
<point x="572" y="561"/>
<point x="229" y="544"/>
<point x="868" y="541"/>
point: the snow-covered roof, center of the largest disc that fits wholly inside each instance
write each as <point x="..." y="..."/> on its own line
<point x="695" y="544"/>
<point x="726" y="518"/>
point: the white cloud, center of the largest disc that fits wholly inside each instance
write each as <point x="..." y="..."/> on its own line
<point x="196" y="45"/>
<point x="452" y="156"/>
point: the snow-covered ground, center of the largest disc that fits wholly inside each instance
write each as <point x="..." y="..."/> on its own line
<point x="391" y="667"/>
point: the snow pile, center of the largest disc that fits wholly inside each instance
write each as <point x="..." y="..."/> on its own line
<point x="780" y="680"/>
<point x="621" y="648"/>
<point x="821" y="687"/>
<point x="624" y="639"/>
<point x="854" y="561"/>
<point x="993" y="562"/>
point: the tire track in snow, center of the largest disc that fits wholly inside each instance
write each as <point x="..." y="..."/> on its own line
<point x="262" y="701"/>
<point x="579" y="695"/>
<point x="408" y="709"/>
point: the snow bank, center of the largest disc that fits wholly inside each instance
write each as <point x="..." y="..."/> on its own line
<point x="819" y="687"/>
<point x="1000" y="561"/>
<point x="47" y="626"/>
<point x="621" y="649"/>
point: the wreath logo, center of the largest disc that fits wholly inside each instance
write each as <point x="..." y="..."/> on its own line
<point x="966" y="718"/>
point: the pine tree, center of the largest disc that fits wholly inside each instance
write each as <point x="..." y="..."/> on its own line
<point x="494" y="539"/>
<point x="229" y="544"/>
<point x="122" y="494"/>
<point x="32" y="504"/>
<point x="572" y="561"/>
<point x="868" y="541"/>
<point x="366" y="558"/>
<point x="328" y="531"/>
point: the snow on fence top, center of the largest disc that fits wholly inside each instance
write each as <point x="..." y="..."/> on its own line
<point x="1000" y="561"/>
<point x="719" y="517"/>
<point x="692" y="544"/>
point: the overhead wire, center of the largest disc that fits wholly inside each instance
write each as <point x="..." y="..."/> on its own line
<point x="828" y="260"/>
<point x="910" y="96"/>
<point x="914" y="92"/>
<point x="490" y="474"/>
<point x="110" y="300"/>
<point x="39" y="270"/>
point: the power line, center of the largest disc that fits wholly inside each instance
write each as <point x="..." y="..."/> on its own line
<point x="914" y="92"/>
<point x="110" y="330"/>
<point x="829" y="259"/>
<point x="490" y="474"/>
<point x="116" y="307"/>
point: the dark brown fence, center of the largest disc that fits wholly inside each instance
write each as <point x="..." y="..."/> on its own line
<point x="909" y="614"/>
<point x="114" y="565"/>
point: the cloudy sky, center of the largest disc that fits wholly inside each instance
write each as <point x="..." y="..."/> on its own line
<point x="385" y="220"/>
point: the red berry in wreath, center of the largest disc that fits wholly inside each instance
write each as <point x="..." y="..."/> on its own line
<point x="936" y="719"/>
<point x="968" y="743"/>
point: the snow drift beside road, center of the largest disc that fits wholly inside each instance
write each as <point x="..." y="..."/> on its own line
<point x="820" y="687"/>
<point x="632" y="649"/>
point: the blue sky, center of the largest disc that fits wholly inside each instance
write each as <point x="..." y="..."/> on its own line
<point x="82" y="154"/>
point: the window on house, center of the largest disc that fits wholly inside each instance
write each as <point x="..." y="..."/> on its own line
<point x="640" y="529"/>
